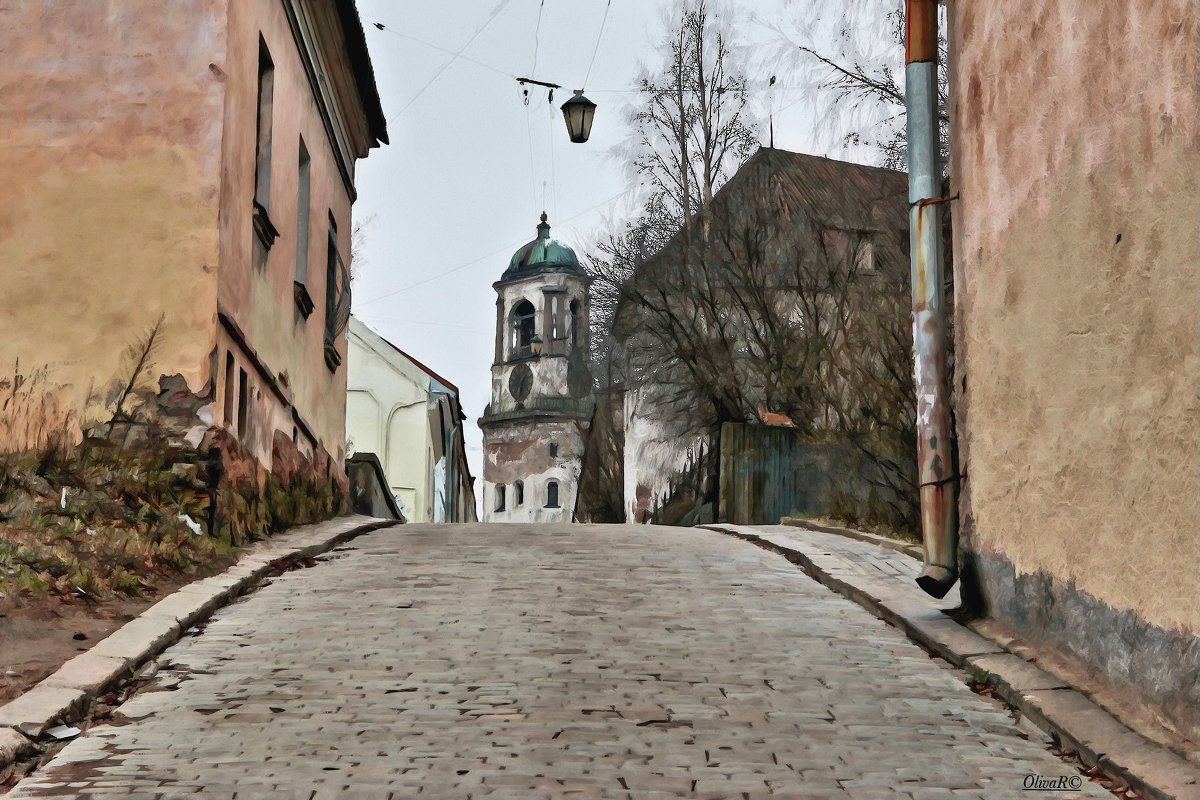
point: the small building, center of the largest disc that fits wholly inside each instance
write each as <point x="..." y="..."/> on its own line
<point x="1075" y="165"/>
<point x="535" y="426"/>
<point x="411" y="419"/>
<point x="187" y="169"/>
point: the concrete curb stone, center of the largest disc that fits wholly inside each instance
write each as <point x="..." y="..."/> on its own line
<point x="13" y="745"/>
<point x="70" y="691"/>
<point x="90" y="672"/>
<point x="1053" y="706"/>
<point x="41" y="707"/>
<point x="913" y="550"/>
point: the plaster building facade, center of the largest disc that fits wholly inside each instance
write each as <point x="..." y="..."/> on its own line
<point x="535" y="426"/>
<point x="192" y="163"/>
<point x="411" y="419"/>
<point x="1077" y="342"/>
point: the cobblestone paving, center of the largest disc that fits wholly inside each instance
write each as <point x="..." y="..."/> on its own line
<point x="544" y="662"/>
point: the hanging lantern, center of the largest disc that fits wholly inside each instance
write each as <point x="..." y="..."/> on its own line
<point x="578" y="112"/>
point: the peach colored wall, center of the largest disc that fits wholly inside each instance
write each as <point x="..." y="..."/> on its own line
<point x="1077" y="247"/>
<point x="109" y="159"/>
<point x="261" y="300"/>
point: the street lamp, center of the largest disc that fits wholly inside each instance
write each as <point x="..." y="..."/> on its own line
<point x="578" y="112"/>
<point x="535" y="344"/>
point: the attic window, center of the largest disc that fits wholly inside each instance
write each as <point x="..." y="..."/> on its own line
<point x="864" y="256"/>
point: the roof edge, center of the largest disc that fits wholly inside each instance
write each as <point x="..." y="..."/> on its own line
<point x="364" y="73"/>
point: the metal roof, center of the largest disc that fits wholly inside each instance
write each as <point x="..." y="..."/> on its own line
<point x="542" y="255"/>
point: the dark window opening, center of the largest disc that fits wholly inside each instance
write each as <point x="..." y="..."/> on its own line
<point x="523" y="329"/>
<point x="576" y="322"/>
<point x="303" y="212"/>
<point x="499" y="497"/>
<point x="230" y="388"/>
<point x="266" y="92"/>
<point x="553" y="450"/>
<point x="552" y="494"/>
<point x="241" y="409"/>
<point x="337" y="297"/>
<point x="519" y="493"/>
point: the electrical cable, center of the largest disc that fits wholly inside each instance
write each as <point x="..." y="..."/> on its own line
<point x="532" y="160"/>
<point x="596" y="49"/>
<point x="553" y="178"/>
<point x="498" y="250"/>
<point x="475" y="61"/>
<point x="536" y="31"/>
<point x="459" y="52"/>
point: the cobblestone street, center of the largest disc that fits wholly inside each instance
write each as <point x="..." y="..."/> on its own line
<point x="529" y="661"/>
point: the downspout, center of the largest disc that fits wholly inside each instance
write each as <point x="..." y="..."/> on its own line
<point x="937" y="474"/>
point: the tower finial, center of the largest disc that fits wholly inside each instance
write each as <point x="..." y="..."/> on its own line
<point x="543" y="228"/>
<point x="543" y="216"/>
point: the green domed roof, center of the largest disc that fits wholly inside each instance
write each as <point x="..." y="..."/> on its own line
<point x="543" y="254"/>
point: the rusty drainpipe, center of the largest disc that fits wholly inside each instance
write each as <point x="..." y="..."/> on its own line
<point x="938" y="477"/>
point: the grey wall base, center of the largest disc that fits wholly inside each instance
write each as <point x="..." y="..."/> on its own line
<point x="1162" y="666"/>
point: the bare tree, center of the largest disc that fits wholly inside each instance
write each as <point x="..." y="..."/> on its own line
<point x="689" y="130"/>
<point x="849" y="55"/>
<point x="774" y="308"/>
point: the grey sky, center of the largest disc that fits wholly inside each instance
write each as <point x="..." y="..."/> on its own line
<point x="455" y="193"/>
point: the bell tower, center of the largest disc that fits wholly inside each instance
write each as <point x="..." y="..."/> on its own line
<point x="535" y="426"/>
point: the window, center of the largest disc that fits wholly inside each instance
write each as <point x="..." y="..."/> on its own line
<point x="864" y="257"/>
<point x="522" y="329"/>
<point x="241" y="407"/>
<point x="576" y="322"/>
<point x="230" y="388"/>
<point x="553" y="450"/>
<point x="265" y="231"/>
<point x="499" y="497"/>
<point x="337" y="296"/>
<point x="266" y="92"/>
<point x="519" y="493"/>
<point x="303" y="212"/>
<point x="552" y="494"/>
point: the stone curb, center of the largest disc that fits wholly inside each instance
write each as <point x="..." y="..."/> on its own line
<point x="1055" y="707"/>
<point x="913" y="550"/>
<point x="69" y="692"/>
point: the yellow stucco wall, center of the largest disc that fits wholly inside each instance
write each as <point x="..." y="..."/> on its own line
<point x="1077" y="269"/>
<point x="109" y="162"/>
<point x="260" y="300"/>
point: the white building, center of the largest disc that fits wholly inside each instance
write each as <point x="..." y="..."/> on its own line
<point x="541" y="404"/>
<point x="411" y="419"/>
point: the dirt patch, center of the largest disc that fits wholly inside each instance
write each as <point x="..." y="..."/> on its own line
<point x="40" y="634"/>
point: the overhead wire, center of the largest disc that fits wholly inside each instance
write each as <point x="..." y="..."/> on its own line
<point x="537" y="29"/>
<point x="596" y="49"/>
<point x="498" y="250"/>
<point x="461" y="56"/>
<point x="495" y="13"/>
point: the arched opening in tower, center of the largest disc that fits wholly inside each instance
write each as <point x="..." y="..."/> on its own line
<point x="522" y="328"/>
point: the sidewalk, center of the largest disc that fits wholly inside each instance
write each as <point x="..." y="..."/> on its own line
<point x="66" y="696"/>
<point x="882" y="581"/>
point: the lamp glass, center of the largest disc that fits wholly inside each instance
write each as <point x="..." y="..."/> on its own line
<point x="579" y="113"/>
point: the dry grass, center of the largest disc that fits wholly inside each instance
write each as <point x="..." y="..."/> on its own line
<point x="118" y="530"/>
